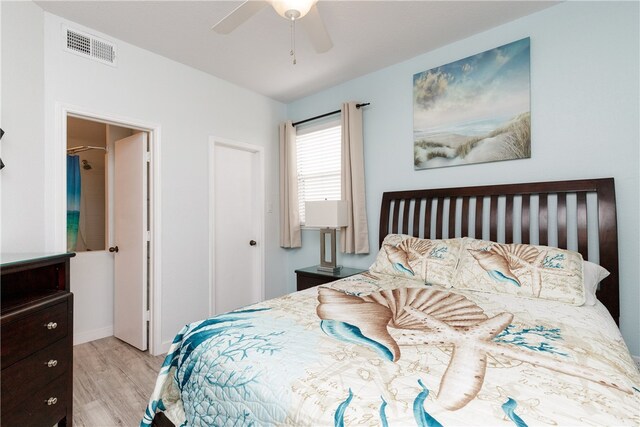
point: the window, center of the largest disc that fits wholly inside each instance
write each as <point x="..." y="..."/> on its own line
<point x="318" y="162"/>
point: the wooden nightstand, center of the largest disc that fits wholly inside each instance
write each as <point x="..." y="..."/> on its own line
<point x="310" y="276"/>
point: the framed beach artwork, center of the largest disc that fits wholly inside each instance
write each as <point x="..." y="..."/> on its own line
<point x="474" y="110"/>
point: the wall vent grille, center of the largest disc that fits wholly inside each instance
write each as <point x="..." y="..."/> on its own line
<point x="102" y="50"/>
<point x="89" y="46"/>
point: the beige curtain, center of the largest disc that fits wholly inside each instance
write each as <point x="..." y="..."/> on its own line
<point x="289" y="214"/>
<point x="355" y="237"/>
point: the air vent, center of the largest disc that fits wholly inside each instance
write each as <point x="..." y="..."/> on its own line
<point x="89" y="46"/>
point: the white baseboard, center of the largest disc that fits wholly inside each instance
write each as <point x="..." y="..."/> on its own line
<point x="637" y="360"/>
<point x="95" y="334"/>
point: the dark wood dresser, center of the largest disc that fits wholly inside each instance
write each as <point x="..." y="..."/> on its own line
<point x="310" y="276"/>
<point x="36" y="381"/>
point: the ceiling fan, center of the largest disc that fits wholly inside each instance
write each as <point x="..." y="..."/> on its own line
<point x="292" y="10"/>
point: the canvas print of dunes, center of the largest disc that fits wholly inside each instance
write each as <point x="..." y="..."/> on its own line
<point x="474" y="110"/>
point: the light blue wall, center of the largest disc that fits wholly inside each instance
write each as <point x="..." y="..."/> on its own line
<point x="585" y="109"/>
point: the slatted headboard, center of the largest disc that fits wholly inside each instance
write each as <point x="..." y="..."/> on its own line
<point x="577" y="215"/>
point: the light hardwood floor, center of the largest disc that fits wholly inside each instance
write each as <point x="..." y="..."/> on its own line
<point x="112" y="383"/>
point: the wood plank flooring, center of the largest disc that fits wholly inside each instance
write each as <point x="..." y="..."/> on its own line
<point x="112" y="383"/>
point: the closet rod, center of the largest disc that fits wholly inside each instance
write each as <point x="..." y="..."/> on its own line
<point x="327" y="114"/>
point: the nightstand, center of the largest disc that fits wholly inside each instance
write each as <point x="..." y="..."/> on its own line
<point x="310" y="276"/>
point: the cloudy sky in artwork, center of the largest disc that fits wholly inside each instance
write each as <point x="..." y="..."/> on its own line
<point x="491" y="84"/>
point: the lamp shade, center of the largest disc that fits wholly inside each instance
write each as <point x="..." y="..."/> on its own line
<point x="326" y="214"/>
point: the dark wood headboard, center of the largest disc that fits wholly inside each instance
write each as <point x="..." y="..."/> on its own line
<point x="577" y="215"/>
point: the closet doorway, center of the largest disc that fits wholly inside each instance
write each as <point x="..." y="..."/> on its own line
<point x="109" y="226"/>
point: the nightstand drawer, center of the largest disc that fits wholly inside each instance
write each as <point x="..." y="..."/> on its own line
<point x="24" y="378"/>
<point x="306" y="282"/>
<point x="44" y="407"/>
<point x="28" y="334"/>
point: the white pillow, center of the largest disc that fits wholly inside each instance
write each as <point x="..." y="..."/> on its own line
<point x="592" y="275"/>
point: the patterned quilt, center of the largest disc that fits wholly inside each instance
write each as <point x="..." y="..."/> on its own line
<point x="377" y="350"/>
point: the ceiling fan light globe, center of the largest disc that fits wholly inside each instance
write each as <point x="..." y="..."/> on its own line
<point x="292" y="9"/>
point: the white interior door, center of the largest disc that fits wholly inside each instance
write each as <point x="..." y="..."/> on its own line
<point x="237" y="263"/>
<point x="130" y="237"/>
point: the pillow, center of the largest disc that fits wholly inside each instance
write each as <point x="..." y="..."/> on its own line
<point x="432" y="262"/>
<point x="518" y="269"/>
<point x="593" y="274"/>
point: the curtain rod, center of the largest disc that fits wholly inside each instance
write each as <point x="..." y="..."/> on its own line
<point x="74" y="150"/>
<point x="327" y="114"/>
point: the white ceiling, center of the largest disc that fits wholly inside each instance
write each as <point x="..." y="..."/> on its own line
<point x="367" y="36"/>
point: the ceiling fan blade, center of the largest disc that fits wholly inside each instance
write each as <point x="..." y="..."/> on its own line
<point x="240" y="14"/>
<point x="314" y="25"/>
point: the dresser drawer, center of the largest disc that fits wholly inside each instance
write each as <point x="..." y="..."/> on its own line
<point x="35" y="409"/>
<point x="23" y="378"/>
<point x="36" y="330"/>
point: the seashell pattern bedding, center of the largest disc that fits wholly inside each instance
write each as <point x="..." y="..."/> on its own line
<point x="383" y="350"/>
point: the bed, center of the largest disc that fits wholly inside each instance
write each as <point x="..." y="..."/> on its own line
<point x="476" y="311"/>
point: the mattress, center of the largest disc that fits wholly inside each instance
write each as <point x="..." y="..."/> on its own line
<point x="377" y="350"/>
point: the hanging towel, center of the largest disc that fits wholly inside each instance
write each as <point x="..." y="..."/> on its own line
<point x="73" y="201"/>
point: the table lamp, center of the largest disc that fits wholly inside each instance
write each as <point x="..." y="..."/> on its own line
<point x="328" y="215"/>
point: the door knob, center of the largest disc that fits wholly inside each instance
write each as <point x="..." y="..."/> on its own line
<point x="113" y="249"/>
<point x="252" y="242"/>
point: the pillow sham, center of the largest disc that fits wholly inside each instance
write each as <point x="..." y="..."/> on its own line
<point x="593" y="274"/>
<point x="519" y="269"/>
<point x="432" y="262"/>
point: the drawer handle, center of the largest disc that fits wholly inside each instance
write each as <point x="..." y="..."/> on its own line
<point x="51" y="363"/>
<point x="51" y="325"/>
<point x="51" y="401"/>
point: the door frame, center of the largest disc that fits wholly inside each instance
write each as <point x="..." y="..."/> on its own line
<point x="59" y="201"/>
<point x="260" y="188"/>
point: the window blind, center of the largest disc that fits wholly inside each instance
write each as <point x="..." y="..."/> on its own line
<point x="318" y="159"/>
